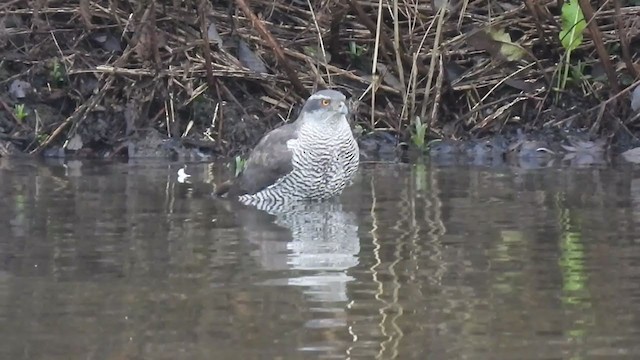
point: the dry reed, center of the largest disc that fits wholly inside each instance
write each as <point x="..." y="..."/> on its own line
<point x="402" y="58"/>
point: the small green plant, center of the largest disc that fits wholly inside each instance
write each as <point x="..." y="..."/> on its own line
<point x="419" y="133"/>
<point x="573" y="25"/>
<point x="577" y="71"/>
<point x="57" y="72"/>
<point x="356" y="51"/>
<point x="41" y="138"/>
<point x="20" y="112"/>
<point x="240" y="163"/>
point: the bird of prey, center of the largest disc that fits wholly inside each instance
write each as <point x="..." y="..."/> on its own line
<point x="312" y="158"/>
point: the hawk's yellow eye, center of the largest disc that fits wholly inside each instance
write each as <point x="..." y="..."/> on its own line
<point x="326" y="102"/>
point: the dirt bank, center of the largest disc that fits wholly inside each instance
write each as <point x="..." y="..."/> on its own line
<point x="196" y="80"/>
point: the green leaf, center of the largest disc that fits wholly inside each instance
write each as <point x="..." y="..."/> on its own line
<point x="508" y="48"/>
<point x="573" y="25"/>
<point x="419" y="133"/>
<point x="240" y="164"/>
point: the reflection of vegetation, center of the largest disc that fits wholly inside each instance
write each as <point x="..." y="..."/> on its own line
<point x="575" y="290"/>
<point x="386" y="274"/>
<point x="572" y="262"/>
<point x="572" y="257"/>
<point x="421" y="178"/>
<point x="507" y="282"/>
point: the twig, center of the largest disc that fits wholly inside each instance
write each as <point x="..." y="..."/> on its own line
<point x="533" y="9"/>
<point x="387" y="44"/>
<point x="438" y="95"/>
<point x="374" y="66"/>
<point x="596" y="35"/>
<point x="396" y="48"/>
<point x="320" y="40"/>
<point x="154" y="35"/>
<point x="4" y="6"/>
<point x="435" y="53"/>
<point x="505" y="79"/>
<point x="275" y="46"/>
<point x="334" y="30"/>
<point x="413" y="77"/>
<point x="624" y="41"/>
<point x="77" y="114"/>
<point x="10" y="111"/>
<point x="612" y="99"/>
<point x="206" y="48"/>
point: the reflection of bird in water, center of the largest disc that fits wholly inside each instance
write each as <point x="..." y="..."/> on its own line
<point x="319" y="238"/>
<point x="314" y="157"/>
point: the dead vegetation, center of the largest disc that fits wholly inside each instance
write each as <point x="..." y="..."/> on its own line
<point x="218" y="74"/>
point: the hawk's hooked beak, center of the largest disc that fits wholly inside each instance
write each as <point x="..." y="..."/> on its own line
<point x="342" y="108"/>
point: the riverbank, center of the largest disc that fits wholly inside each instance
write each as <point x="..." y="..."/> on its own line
<point x="200" y="81"/>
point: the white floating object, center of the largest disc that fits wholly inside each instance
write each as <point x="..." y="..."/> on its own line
<point x="182" y="176"/>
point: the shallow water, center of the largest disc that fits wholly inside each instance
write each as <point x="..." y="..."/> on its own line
<point x="122" y="261"/>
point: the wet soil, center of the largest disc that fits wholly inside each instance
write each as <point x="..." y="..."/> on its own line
<point x="65" y="92"/>
<point x="115" y="129"/>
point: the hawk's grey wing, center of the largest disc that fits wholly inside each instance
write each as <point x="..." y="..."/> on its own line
<point x="270" y="160"/>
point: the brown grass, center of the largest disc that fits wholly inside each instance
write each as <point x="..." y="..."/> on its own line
<point x="400" y="58"/>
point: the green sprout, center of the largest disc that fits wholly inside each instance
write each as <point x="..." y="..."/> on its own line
<point x="240" y="163"/>
<point x="41" y="138"/>
<point x="20" y="112"/>
<point x="577" y="71"/>
<point x="356" y="51"/>
<point x="419" y="134"/>
<point x="57" y="72"/>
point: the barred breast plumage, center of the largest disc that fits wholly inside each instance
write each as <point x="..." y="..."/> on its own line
<point x="313" y="158"/>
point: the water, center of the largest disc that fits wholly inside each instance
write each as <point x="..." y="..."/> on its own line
<point x="121" y="261"/>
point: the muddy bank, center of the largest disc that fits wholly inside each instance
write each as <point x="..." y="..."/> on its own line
<point x="196" y="80"/>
